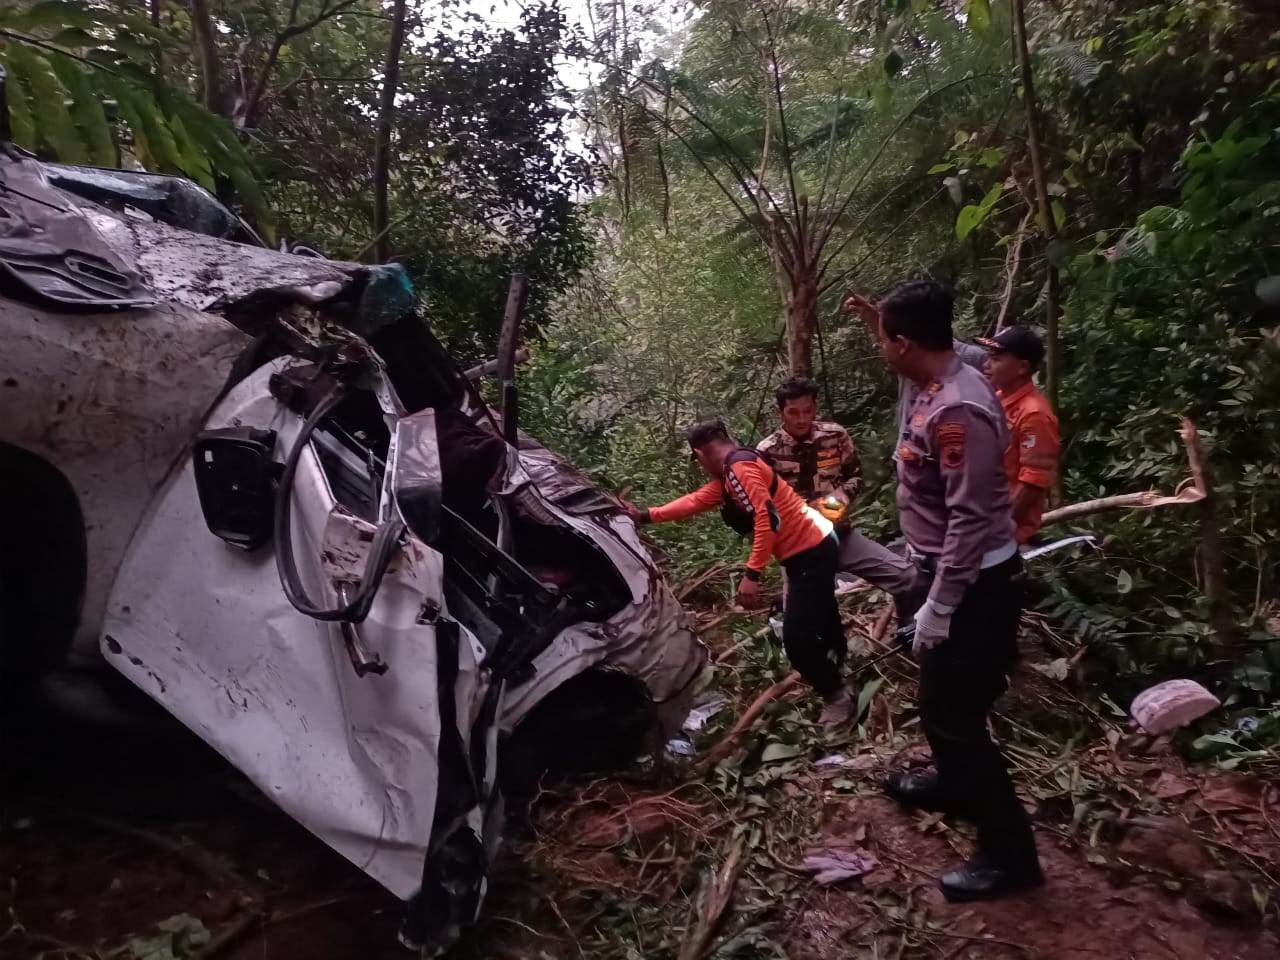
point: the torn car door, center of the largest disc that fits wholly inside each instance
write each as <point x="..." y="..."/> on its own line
<point x="207" y="630"/>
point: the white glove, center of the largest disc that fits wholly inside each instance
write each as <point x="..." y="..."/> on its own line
<point x="933" y="623"/>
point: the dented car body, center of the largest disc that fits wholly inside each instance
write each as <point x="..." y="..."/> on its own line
<point x="266" y="495"/>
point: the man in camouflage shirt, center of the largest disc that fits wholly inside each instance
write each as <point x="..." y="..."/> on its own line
<point x="816" y="458"/>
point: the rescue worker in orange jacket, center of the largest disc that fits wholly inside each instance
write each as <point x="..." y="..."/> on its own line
<point x="1031" y="459"/>
<point x="781" y="525"/>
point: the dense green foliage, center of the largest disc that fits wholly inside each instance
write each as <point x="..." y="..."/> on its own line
<point x="272" y="104"/>
<point x="1164" y="172"/>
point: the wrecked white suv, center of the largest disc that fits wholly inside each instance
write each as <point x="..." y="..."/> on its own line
<point x="259" y="487"/>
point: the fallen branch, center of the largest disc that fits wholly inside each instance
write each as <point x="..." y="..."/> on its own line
<point x="1121" y="501"/>
<point x="718" y="891"/>
<point x="490" y="367"/>
<point x="726" y="744"/>
<point x="1196" y="490"/>
<point x="693" y="583"/>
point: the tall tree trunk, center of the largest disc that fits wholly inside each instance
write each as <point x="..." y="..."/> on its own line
<point x="802" y="313"/>
<point x="207" y="53"/>
<point x="1044" y="213"/>
<point x="802" y="267"/>
<point x="382" y="147"/>
<point x="1213" y="562"/>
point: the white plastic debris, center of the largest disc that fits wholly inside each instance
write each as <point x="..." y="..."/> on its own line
<point x="1172" y="704"/>
<point x="835" y="760"/>
<point x="776" y="624"/>
<point x="700" y="714"/>
<point x="681" y="748"/>
<point x="848" y="585"/>
<point x="832" y="866"/>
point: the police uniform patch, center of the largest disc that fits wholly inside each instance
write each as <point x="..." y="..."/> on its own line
<point x="935" y="387"/>
<point x="951" y="444"/>
<point x="906" y="454"/>
<point x="919" y="420"/>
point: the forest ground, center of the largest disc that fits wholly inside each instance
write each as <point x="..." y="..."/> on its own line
<point x="112" y="854"/>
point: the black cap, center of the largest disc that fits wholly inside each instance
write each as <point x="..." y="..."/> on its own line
<point x="1019" y="342"/>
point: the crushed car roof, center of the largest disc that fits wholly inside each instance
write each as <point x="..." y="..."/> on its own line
<point x="74" y="238"/>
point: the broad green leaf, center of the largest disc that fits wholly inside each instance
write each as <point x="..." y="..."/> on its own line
<point x="192" y="158"/>
<point x="942" y="167"/>
<point x="978" y="13"/>
<point x="1124" y="582"/>
<point x="968" y="220"/>
<point x="21" y="121"/>
<point x="991" y="157"/>
<point x="50" y="105"/>
<point x="129" y="113"/>
<point x="868" y="691"/>
<point x="993" y="196"/>
<point x="781" y="751"/>
<point x="152" y="127"/>
<point x="86" y="110"/>
<point x="255" y="203"/>
<point x="1059" y="214"/>
<point x="1213" y="743"/>
<point x="228" y="158"/>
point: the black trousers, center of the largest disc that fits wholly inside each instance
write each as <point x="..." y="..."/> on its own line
<point x="960" y="679"/>
<point x="811" y="629"/>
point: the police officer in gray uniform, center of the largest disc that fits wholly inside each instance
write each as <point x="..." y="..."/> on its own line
<point x="956" y="516"/>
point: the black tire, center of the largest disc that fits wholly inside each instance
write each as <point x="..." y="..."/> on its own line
<point x="594" y="723"/>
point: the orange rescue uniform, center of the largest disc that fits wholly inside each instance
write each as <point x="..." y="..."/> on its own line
<point x="799" y="527"/>
<point x="1032" y="455"/>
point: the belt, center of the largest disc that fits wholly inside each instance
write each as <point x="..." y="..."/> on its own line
<point x="991" y="558"/>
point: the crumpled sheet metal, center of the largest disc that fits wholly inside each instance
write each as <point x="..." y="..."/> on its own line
<point x="52" y="250"/>
<point x="206" y="631"/>
<point x="112" y="399"/>
<point x="208" y="273"/>
<point x="649" y="638"/>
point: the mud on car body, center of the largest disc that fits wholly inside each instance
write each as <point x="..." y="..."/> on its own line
<point x="258" y="487"/>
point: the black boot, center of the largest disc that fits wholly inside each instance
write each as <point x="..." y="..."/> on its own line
<point x="983" y="878"/>
<point x="920" y="790"/>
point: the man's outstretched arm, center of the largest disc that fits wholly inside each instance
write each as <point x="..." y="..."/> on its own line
<point x="705" y="498"/>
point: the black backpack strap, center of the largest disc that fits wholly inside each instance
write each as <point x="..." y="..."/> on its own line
<point x="736" y="515"/>
<point x="747" y="455"/>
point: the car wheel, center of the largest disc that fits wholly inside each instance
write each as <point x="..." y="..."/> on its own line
<point x="596" y="722"/>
